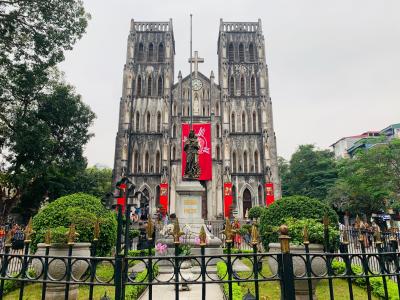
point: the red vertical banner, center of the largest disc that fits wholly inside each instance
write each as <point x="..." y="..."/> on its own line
<point x="269" y="193"/>
<point x="121" y="200"/>
<point x="227" y="199"/>
<point x="164" y="197"/>
<point x="203" y="134"/>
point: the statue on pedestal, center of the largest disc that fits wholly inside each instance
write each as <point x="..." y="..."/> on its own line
<point x="191" y="147"/>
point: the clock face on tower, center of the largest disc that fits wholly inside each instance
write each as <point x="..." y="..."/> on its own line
<point x="197" y="84"/>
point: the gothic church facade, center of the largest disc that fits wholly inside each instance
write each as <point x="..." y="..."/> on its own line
<point x="237" y="105"/>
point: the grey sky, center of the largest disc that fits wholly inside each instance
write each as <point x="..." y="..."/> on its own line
<point x="334" y="66"/>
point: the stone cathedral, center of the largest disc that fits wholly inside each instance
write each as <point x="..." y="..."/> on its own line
<point x="237" y="105"/>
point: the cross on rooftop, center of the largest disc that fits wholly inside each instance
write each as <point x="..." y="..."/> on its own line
<point x="196" y="60"/>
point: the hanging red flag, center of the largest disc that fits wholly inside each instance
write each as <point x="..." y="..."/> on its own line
<point x="122" y="200"/>
<point x="203" y="133"/>
<point x="164" y="197"/>
<point x="227" y="199"/>
<point x="269" y="193"/>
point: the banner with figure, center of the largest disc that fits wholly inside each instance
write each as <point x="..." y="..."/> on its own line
<point x="164" y="197"/>
<point x="203" y="134"/>
<point x="227" y="199"/>
<point x="269" y="193"/>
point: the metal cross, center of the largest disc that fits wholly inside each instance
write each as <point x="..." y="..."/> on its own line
<point x="196" y="60"/>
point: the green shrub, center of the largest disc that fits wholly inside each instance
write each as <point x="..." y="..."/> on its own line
<point x="83" y="210"/>
<point x="255" y="212"/>
<point x="136" y="253"/>
<point x="298" y="207"/>
<point x="237" y="251"/>
<point x="133" y="292"/>
<point x="223" y="275"/>
<point x="133" y="233"/>
<point x="376" y="283"/>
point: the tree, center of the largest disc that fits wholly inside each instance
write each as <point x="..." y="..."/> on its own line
<point x="312" y="172"/>
<point x="94" y="181"/>
<point x="284" y="170"/>
<point x="46" y="147"/>
<point x="369" y="182"/>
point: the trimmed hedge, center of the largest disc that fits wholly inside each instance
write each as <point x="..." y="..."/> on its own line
<point x="256" y="212"/>
<point x="298" y="207"/>
<point x="133" y="292"/>
<point x="222" y="272"/>
<point x="83" y="210"/>
<point x="376" y="283"/>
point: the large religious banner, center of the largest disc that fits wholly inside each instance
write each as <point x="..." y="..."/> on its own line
<point x="164" y="197"/>
<point x="227" y="199"/>
<point x="203" y="133"/>
<point x="269" y="193"/>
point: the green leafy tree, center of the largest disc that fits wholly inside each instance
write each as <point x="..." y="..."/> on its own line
<point x="312" y="172"/>
<point x="94" y="181"/>
<point x="369" y="182"/>
<point x="284" y="170"/>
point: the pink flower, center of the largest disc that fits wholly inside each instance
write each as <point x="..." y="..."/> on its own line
<point x="197" y="240"/>
<point x="161" y="248"/>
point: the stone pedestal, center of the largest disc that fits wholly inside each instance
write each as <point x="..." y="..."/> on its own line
<point x="188" y="207"/>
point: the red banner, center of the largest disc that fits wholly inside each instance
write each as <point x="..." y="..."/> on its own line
<point x="227" y="199"/>
<point x="121" y="200"/>
<point x="164" y="197"/>
<point x="269" y="193"/>
<point x="203" y="133"/>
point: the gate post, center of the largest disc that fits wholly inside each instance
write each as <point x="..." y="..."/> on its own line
<point x="286" y="274"/>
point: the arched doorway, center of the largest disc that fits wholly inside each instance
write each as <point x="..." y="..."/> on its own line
<point x="145" y="204"/>
<point x="246" y="201"/>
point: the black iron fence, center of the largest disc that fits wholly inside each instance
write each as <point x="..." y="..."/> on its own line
<point x="131" y="276"/>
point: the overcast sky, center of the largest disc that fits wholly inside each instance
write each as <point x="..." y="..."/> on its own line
<point x="334" y="66"/>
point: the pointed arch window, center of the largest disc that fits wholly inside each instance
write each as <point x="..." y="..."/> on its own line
<point x="217" y="129"/>
<point x="204" y="110"/>
<point x="256" y="161"/>
<point x="136" y="162"/>
<point x="234" y="162"/>
<point x="173" y="153"/>
<point x="232" y="86"/>
<point x="174" y="131"/>
<point x="151" y="52"/>
<point x="233" y="122"/>
<point x="241" y="52"/>
<point x="260" y="195"/>
<point x="218" y="152"/>
<point x="217" y="109"/>
<point x="148" y="122"/>
<point x="140" y="52"/>
<point x="231" y="53"/>
<point x="251" y="52"/>
<point x="146" y="163"/>
<point x="160" y="86"/>
<point x="160" y="52"/>
<point x="253" y="85"/>
<point x="137" y="121"/>
<point x="234" y="200"/>
<point x="158" y="122"/>
<point x="254" y="121"/>
<point x="139" y="86"/>
<point x="243" y="122"/>
<point x="245" y="162"/>
<point x="149" y="87"/>
<point x="174" y="109"/>
<point x="242" y="87"/>
<point x="158" y="164"/>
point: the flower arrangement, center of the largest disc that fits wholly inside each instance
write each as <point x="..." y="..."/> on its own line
<point x="161" y="248"/>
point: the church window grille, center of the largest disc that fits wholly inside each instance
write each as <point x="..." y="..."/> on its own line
<point x="204" y="110"/>
<point x="242" y="87"/>
<point x="158" y="122"/>
<point x="158" y="162"/>
<point x="148" y="122"/>
<point x="174" y="131"/>
<point x="241" y="52"/>
<point x="234" y="199"/>
<point x="160" y="86"/>
<point x="234" y="162"/>
<point x="232" y="86"/>
<point x="243" y="122"/>
<point x="146" y="163"/>
<point x="231" y="53"/>
<point x="217" y="109"/>
<point x="256" y="161"/>
<point x="173" y="153"/>
<point x="174" y="109"/>
<point x="251" y="52"/>
<point x="139" y="87"/>
<point x="233" y="122"/>
<point x="260" y="195"/>
<point x="137" y="121"/>
<point x="217" y="129"/>
<point x="253" y="86"/>
<point x="161" y="52"/>
<point x="141" y="53"/>
<point x="245" y="161"/>
<point x="157" y="196"/>
<point x="218" y="153"/>
<point x="254" y="122"/>
<point x="149" y="87"/>
<point x="151" y="52"/>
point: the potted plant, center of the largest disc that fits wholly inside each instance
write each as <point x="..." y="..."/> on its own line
<point x="297" y="213"/>
<point x="54" y="222"/>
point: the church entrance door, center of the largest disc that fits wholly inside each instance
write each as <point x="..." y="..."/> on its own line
<point x="246" y="202"/>
<point x="145" y="205"/>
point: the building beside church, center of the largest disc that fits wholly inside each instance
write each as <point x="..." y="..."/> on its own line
<point x="237" y="105"/>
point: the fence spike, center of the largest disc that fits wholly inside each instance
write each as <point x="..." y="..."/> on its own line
<point x="72" y="234"/>
<point x="202" y="236"/>
<point x="228" y="231"/>
<point x="177" y="233"/>
<point x="96" y="230"/>
<point x="284" y="238"/>
<point x="305" y="235"/>
<point x="28" y="231"/>
<point x="254" y="235"/>
<point x="47" y="237"/>
<point x="150" y="229"/>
